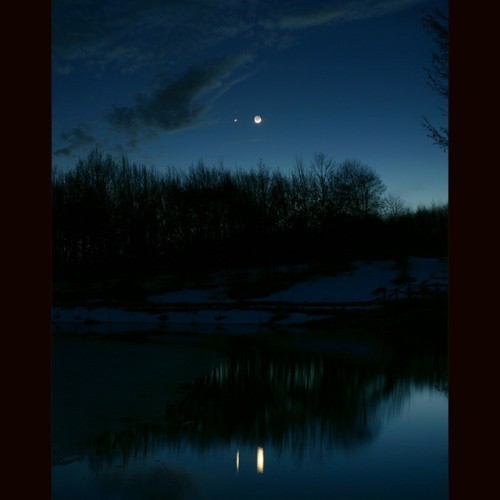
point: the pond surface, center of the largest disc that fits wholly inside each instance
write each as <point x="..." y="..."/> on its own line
<point x="151" y="420"/>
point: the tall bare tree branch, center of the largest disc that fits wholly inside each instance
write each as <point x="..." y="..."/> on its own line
<point x="436" y="24"/>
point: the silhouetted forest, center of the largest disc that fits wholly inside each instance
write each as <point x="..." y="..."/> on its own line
<point x="111" y="216"/>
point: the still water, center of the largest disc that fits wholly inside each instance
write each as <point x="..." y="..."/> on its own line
<point x="159" y="420"/>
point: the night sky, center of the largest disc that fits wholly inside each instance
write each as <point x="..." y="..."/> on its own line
<point x="169" y="82"/>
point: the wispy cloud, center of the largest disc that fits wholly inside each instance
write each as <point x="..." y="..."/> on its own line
<point x="74" y="139"/>
<point x="66" y="151"/>
<point x="177" y="38"/>
<point x="158" y="35"/>
<point x="311" y="19"/>
<point x="177" y="105"/>
<point x="353" y="10"/>
<point x="139" y="34"/>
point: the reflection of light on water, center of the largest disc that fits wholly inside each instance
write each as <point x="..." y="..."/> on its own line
<point x="260" y="460"/>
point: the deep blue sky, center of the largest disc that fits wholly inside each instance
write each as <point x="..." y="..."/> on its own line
<point x="169" y="82"/>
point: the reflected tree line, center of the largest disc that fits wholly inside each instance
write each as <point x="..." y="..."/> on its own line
<point x="297" y="402"/>
<point x="109" y="214"/>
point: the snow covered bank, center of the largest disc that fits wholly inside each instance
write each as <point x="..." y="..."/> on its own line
<point x="297" y="305"/>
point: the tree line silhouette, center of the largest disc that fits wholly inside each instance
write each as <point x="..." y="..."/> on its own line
<point x="113" y="216"/>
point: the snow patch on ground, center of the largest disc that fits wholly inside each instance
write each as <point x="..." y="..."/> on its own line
<point x="357" y="285"/>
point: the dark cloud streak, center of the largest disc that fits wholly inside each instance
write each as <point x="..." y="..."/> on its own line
<point x="76" y="137"/>
<point x="175" y="105"/>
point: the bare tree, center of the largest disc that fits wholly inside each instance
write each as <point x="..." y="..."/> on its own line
<point x="436" y="24"/>
<point x="358" y="190"/>
<point x="394" y="206"/>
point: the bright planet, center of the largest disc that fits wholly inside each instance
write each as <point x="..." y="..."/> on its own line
<point x="257" y="119"/>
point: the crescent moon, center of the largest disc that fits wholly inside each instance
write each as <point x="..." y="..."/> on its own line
<point x="257" y="119"/>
